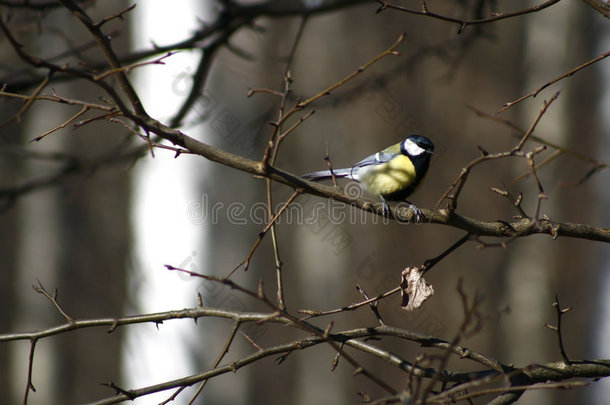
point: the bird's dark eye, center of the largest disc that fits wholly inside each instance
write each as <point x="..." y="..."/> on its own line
<point x="425" y="145"/>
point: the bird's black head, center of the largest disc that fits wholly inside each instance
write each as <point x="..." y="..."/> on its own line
<point x="417" y="145"/>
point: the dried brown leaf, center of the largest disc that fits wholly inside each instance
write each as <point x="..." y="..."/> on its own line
<point x="415" y="289"/>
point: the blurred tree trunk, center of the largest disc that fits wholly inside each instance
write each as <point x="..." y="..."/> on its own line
<point x="8" y="230"/>
<point x="234" y="211"/>
<point x="554" y="43"/>
<point x="10" y="167"/>
<point x="95" y="248"/>
<point x="588" y="286"/>
<point x="73" y="237"/>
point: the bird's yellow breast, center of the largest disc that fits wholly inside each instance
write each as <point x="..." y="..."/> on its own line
<point x="391" y="177"/>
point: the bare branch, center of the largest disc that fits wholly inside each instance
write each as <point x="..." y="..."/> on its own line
<point x="601" y="6"/>
<point x="29" y="385"/>
<point x="464" y="23"/>
<point x="53" y="298"/>
<point x="261" y="235"/>
<point x="454" y="190"/>
<point x="104" y="44"/>
<point x="547" y="84"/>
<point x="560" y="311"/>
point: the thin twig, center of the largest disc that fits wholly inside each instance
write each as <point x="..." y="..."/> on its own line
<point x="464" y="23"/>
<point x="330" y="165"/>
<point x="545" y="162"/>
<point x="372" y="304"/>
<point x="428" y="264"/>
<point x="471" y="323"/>
<point x="390" y="51"/>
<point x="63" y="125"/>
<point x="29" y="385"/>
<point x="313" y="314"/>
<point x="533" y="137"/>
<point x="53" y="298"/>
<point x="261" y="235"/>
<point x="118" y="15"/>
<point x="75" y="73"/>
<point x="566" y="385"/>
<point x="29" y="100"/>
<point x="274" y="144"/>
<point x="61" y="100"/>
<point x="557" y="329"/>
<point x="129" y="68"/>
<point x="221" y="355"/>
<point x="259" y="295"/>
<point x="515" y="202"/>
<point x="105" y="46"/>
<point x="532" y="165"/>
<point x="453" y="192"/>
<point x="528" y="133"/>
<point x="547" y="84"/>
<point x="559" y="150"/>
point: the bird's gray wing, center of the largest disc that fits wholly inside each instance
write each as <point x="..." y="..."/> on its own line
<point x="377" y="158"/>
<point x="325" y="174"/>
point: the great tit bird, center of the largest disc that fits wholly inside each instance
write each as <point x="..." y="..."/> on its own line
<point x="392" y="174"/>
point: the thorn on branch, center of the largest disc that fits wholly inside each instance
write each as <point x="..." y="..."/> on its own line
<point x="335" y="362"/>
<point x="424" y="7"/>
<point x="282" y="357"/>
<point x="328" y="329"/>
<point x="483" y="151"/>
<point x="113" y="326"/>
<point x="118" y="390"/>
<point x="251" y="341"/>
<point x="382" y="7"/>
<point x="515" y="202"/>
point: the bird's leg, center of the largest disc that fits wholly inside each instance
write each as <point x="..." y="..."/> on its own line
<point x="385" y="208"/>
<point x="419" y="217"/>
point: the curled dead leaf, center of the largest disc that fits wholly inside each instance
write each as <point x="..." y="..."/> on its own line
<point x="414" y="288"/>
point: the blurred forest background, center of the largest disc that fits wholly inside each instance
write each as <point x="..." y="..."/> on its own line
<point x="76" y="216"/>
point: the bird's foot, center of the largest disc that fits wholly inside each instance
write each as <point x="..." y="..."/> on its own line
<point x="418" y="217"/>
<point x="385" y="208"/>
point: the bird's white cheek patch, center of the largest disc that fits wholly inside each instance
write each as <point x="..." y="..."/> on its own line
<point x="412" y="148"/>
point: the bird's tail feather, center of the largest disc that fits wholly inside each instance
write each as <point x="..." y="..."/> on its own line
<point x="325" y="174"/>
